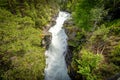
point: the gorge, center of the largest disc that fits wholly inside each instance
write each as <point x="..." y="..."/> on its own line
<point x="56" y="68"/>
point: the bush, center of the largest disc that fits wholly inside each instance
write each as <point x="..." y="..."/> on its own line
<point x="88" y="63"/>
<point x="21" y="57"/>
<point x="115" y="55"/>
<point x="29" y="67"/>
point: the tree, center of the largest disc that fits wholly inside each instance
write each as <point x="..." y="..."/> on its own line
<point x="87" y="13"/>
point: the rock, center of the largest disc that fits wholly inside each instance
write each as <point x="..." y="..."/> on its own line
<point x="71" y="32"/>
<point x="115" y="77"/>
<point x="48" y="26"/>
<point x="69" y="22"/>
<point x="52" y="23"/>
<point x="45" y="42"/>
<point x="70" y="29"/>
<point x="47" y="36"/>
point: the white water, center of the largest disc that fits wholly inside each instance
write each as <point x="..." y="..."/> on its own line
<point x="55" y="55"/>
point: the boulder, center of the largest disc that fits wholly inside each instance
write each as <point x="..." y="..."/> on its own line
<point x="46" y="40"/>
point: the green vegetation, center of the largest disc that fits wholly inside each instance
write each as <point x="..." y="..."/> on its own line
<point x="96" y="44"/>
<point x="21" y="22"/>
<point x="93" y="31"/>
<point x="88" y="64"/>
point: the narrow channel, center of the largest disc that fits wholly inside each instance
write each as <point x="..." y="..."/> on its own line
<point x="56" y="68"/>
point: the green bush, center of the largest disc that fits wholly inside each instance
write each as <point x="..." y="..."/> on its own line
<point x="115" y="55"/>
<point x="88" y="14"/>
<point x="101" y="33"/>
<point x="29" y="67"/>
<point x="21" y="57"/>
<point x="88" y="64"/>
<point x="114" y="27"/>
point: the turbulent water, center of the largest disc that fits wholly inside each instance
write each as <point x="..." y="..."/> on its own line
<point x="56" y="68"/>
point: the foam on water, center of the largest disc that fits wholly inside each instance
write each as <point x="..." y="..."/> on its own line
<point x="56" y="68"/>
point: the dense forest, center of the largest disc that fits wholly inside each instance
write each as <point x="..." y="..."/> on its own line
<point x="93" y="38"/>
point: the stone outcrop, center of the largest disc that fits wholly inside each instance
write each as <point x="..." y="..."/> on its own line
<point x="47" y="36"/>
<point x="45" y="42"/>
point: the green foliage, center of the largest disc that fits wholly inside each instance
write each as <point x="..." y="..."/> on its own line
<point x="97" y="14"/>
<point x="114" y="27"/>
<point x="21" y="57"/>
<point x="88" y="13"/>
<point x="115" y="55"/>
<point x="67" y="5"/>
<point x="78" y="40"/>
<point x="100" y="21"/>
<point x="101" y="32"/>
<point x="3" y="3"/>
<point x="40" y="11"/>
<point x="20" y="54"/>
<point x="88" y="63"/>
<point x="107" y="70"/>
<point x="105" y="40"/>
<point x="28" y="67"/>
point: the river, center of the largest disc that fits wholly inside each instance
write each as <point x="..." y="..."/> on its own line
<point x="56" y="68"/>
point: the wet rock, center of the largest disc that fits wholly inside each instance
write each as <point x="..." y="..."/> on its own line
<point x="70" y="29"/>
<point x="69" y="22"/>
<point x="74" y="41"/>
<point x="71" y="32"/>
<point x="48" y="26"/>
<point x="47" y="36"/>
<point x="45" y="42"/>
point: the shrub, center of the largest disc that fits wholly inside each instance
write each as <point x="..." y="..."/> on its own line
<point x="28" y="67"/>
<point x="88" y="63"/>
<point x="115" y="55"/>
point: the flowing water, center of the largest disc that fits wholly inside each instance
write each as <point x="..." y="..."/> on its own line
<point x="56" y="68"/>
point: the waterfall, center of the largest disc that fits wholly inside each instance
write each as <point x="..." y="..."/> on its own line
<point x="56" y="68"/>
